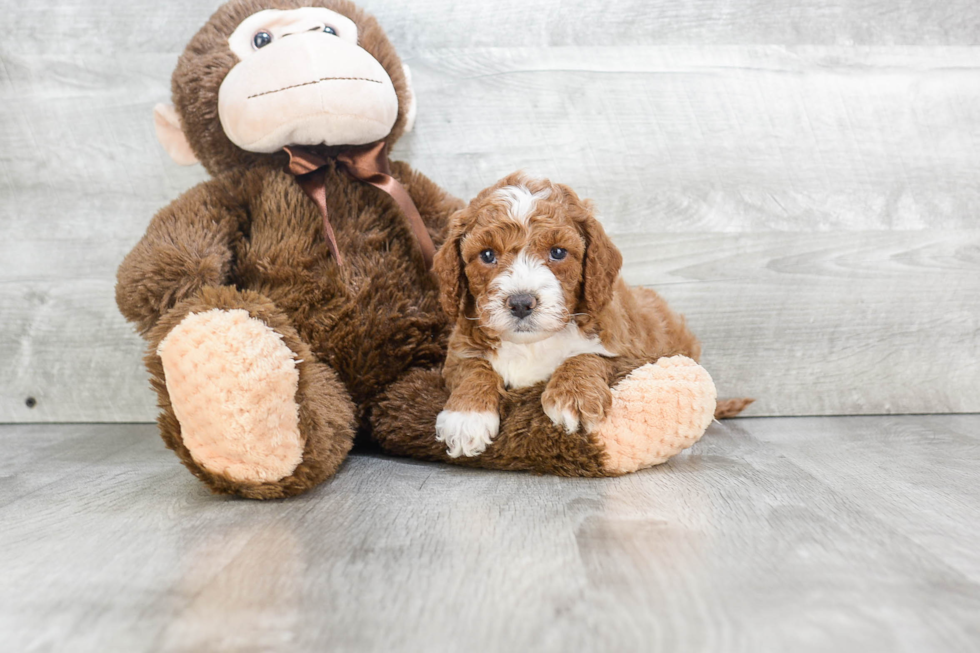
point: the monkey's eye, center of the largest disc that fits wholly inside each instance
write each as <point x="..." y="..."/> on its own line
<point x="558" y="253"/>
<point x="261" y="39"/>
<point x="329" y="30"/>
<point x="488" y="256"/>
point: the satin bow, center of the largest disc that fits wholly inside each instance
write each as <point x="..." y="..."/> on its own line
<point x="369" y="165"/>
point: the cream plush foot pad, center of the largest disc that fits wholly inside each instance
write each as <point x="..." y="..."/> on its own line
<point x="659" y="410"/>
<point x="232" y="383"/>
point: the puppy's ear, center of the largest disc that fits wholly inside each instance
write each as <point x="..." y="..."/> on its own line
<point x="448" y="266"/>
<point x="601" y="266"/>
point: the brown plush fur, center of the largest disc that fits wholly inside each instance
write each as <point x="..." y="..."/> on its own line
<point x="528" y="440"/>
<point x="251" y="239"/>
<point x="369" y="321"/>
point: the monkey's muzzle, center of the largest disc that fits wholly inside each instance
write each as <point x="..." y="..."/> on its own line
<point x="307" y="89"/>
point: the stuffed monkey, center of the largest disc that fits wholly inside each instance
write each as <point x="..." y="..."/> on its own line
<point x="288" y="302"/>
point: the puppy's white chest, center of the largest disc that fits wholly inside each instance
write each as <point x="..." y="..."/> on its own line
<point x="521" y="365"/>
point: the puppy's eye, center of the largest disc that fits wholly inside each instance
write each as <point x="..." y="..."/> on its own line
<point x="261" y="39"/>
<point x="329" y="30"/>
<point x="488" y="256"/>
<point x="558" y="253"/>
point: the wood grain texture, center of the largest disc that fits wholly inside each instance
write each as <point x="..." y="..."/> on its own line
<point x="715" y="138"/>
<point x="113" y="26"/>
<point x="862" y="322"/>
<point x="800" y="179"/>
<point x="808" y="534"/>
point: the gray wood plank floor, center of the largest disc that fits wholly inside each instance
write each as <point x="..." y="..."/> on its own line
<point x="791" y="534"/>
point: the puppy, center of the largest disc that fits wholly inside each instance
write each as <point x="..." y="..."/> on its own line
<point x="532" y="281"/>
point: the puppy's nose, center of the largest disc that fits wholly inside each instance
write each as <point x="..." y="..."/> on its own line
<point x="521" y="305"/>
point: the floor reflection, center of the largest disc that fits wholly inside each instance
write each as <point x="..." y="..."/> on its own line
<point x="243" y="587"/>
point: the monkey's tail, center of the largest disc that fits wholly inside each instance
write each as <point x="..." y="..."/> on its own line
<point x="731" y="407"/>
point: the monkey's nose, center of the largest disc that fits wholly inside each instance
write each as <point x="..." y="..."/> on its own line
<point x="521" y="305"/>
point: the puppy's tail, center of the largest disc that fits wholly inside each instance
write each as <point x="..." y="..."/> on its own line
<point x="731" y="407"/>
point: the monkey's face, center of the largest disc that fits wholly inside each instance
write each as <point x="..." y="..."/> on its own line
<point x="257" y="78"/>
<point x="302" y="79"/>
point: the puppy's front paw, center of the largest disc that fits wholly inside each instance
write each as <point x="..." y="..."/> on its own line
<point x="570" y="405"/>
<point x="466" y="433"/>
<point x="561" y="412"/>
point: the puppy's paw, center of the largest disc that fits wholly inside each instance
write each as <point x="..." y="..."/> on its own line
<point x="466" y="433"/>
<point x="571" y="405"/>
<point x="562" y="414"/>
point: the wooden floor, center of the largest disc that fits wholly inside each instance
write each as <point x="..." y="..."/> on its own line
<point x="791" y="534"/>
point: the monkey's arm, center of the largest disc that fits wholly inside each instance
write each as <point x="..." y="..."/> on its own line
<point x="578" y="392"/>
<point x="434" y="204"/>
<point x="187" y="246"/>
<point x="658" y="410"/>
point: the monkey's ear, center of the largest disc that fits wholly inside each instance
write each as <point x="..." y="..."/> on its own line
<point x="413" y="107"/>
<point x="171" y="135"/>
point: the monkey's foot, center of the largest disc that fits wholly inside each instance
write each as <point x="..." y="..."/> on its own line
<point x="232" y="383"/>
<point x="659" y="410"/>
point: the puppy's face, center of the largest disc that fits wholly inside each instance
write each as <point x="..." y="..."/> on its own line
<point x="517" y="261"/>
<point x="523" y="263"/>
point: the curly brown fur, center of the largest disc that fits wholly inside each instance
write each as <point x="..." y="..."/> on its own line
<point x="631" y="321"/>
<point x="518" y="222"/>
<point x="501" y="250"/>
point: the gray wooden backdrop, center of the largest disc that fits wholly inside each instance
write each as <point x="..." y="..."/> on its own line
<point x="800" y="178"/>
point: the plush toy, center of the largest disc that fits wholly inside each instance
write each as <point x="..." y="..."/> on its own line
<point x="288" y="302"/>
